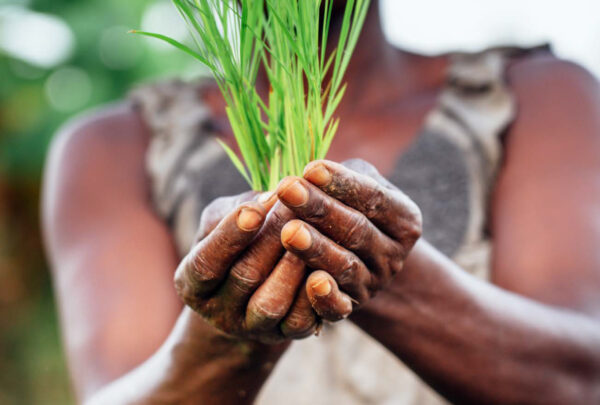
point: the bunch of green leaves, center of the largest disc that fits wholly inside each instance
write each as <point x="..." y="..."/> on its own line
<point x="295" y="124"/>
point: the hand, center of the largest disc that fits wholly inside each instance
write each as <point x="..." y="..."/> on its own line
<point x="240" y="279"/>
<point x="354" y="229"/>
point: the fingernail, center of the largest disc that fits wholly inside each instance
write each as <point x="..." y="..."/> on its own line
<point x="267" y="199"/>
<point x="296" y="235"/>
<point x="249" y="220"/>
<point x="321" y="287"/>
<point x="294" y="194"/>
<point x="318" y="175"/>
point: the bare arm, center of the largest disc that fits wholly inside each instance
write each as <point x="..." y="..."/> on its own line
<point x="97" y="223"/>
<point x="476" y="343"/>
<point x="113" y="264"/>
<point x="539" y="344"/>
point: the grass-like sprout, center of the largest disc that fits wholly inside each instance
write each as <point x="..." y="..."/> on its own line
<point x="279" y="135"/>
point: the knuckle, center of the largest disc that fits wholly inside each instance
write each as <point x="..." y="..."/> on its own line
<point x="376" y="202"/>
<point x="413" y="218"/>
<point x="414" y="233"/>
<point x="355" y="279"/>
<point x="358" y="232"/>
<point x="200" y="268"/>
<point x="394" y="253"/>
<point x="391" y="263"/>
<point x="263" y="310"/>
<point x="353" y="274"/>
<point x="349" y="270"/>
<point x="298" y="325"/>
<point x="317" y="211"/>
<point x="408" y="222"/>
<point x="396" y="267"/>
<point x="246" y="278"/>
<point x="192" y="278"/>
<point x="416" y="218"/>
<point x="185" y="292"/>
<point x="413" y="229"/>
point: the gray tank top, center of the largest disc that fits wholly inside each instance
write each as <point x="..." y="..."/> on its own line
<point x="449" y="171"/>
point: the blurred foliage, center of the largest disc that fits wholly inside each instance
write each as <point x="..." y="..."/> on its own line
<point x="32" y="366"/>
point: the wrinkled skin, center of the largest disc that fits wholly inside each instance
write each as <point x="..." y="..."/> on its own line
<point x="349" y="232"/>
<point x="530" y="336"/>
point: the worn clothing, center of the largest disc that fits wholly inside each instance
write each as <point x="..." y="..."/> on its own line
<point x="448" y="171"/>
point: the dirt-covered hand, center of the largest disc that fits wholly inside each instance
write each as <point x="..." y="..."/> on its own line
<point x="354" y="229"/>
<point x="240" y="278"/>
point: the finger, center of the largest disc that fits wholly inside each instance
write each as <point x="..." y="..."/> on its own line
<point x="220" y="207"/>
<point x="273" y="299"/>
<point x="267" y="199"/>
<point x="388" y="208"/>
<point x="319" y="252"/>
<point x="301" y="321"/>
<point x="207" y="263"/>
<point x="326" y="298"/>
<point x="256" y="263"/>
<point x="344" y="225"/>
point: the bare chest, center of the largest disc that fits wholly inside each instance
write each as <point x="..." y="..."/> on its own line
<point x="380" y="137"/>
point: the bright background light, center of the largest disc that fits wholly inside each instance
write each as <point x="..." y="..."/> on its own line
<point x="424" y="26"/>
<point x="68" y="88"/>
<point x="437" y="26"/>
<point x="42" y="40"/>
<point x="161" y="16"/>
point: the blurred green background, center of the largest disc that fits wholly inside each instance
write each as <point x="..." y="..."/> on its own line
<point x="57" y="58"/>
<point x="61" y="57"/>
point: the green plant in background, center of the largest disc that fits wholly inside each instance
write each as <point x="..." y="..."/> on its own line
<point x="32" y="363"/>
<point x="279" y="135"/>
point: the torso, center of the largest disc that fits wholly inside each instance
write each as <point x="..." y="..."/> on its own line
<point x="381" y="138"/>
<point x="448" y="139"/>
<point x="380" y="135"/>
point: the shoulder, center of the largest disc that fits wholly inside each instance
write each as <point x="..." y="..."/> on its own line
<point x="547" y="193"/>
<point x="95" y="163"/>
<point x="103" y="131"/>
<point x="102" y="237"/>
<point x="108" y="139"/>
<point x="558" y="112"/>
<point x="557" y="127"/>
<point x="544" y="67"/>
<point x="550" y="92"/>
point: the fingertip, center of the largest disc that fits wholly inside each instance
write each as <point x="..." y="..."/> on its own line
<point x="292" y="191"/>
<point x="296" y="235"/>
<point x="326" y="298"/>
<point x="319" y="284"/>
<point x="250" y="217"/>
<point x="259" y="320"/>
<point x="317" y="173"/>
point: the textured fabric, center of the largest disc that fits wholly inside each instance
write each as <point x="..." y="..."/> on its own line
<point x="449" y="171"/>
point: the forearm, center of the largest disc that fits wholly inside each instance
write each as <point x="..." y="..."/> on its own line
<point x="475" y="343"/>
<point x="195" y="365"/>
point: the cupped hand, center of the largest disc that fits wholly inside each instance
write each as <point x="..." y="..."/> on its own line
<point x="353" y="229"/>
<point x="350" y="230"/>
<point x="239" y="277"/>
